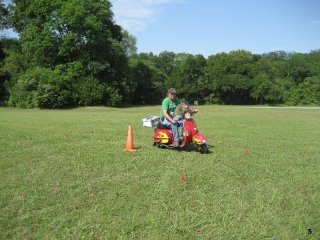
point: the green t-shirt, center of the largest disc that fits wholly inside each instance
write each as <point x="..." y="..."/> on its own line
<point x="170" y="106"/>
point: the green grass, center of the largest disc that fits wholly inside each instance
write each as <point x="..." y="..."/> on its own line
<point x="64" y="175"/>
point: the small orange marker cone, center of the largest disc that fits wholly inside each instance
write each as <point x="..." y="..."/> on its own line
<point x="246" y="152"/>
<point x="129" y="146"/>
<point x="182" y="179"/>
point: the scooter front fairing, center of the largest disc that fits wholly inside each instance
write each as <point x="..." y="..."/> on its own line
<point x="199" y="139"/>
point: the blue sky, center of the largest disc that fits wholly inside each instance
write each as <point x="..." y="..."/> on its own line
<point x="211" y="26"/>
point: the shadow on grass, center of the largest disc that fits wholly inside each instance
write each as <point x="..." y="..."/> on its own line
<point x="192" y="148"/>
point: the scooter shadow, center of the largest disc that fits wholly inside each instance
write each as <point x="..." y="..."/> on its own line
<point x="192" y="148"/>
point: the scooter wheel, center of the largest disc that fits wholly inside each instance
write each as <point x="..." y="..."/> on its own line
<point x="203" y="149"/>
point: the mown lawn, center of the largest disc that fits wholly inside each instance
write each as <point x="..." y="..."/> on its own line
<point x="64" y="175"/>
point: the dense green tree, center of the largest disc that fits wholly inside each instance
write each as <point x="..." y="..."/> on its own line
<point x="144" y="80"/>
<point x="299" y="67"/>
<point x="229" y="77"/>
<point x="165" y="62"/>
<point x="129" y="43"/>
<point x="314" y="59"/>
<point x="11" y="63"/>
<point x="2" y="74"/>
<point x="150" y="57"/>
<point x="277" y="55"/>
<point x="71" y="53"/>
<point x="265" y="90"/>
<point x="3" y="24"/>
<point x="236" y="62"/>
<point x="233" y="89"/>
<point x="306" y="93"/>
<point x="64" y="86"/>
<point x="187" y="75"/>
<point x="56" y="33"/>
<point x="4" y="13"/>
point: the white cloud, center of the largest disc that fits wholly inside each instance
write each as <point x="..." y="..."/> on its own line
<point x="136" y="15"/>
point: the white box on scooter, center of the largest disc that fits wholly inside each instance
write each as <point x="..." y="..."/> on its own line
<point x="150" y="122"/>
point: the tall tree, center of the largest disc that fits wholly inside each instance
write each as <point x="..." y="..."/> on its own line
<point x="314" y="59"/>
<point x="299" y="67"/>
<point x="186" y="75"/>
<point x="129" y="44"/>
<point x="58" y="32"/>
<point x="69" y="36"/>
<point x="165" y="62"/>
<point x="2" y="75"/>
<point x="4" y="13"/>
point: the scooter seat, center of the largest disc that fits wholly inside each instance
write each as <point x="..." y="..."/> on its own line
<point x="162" y="126"/>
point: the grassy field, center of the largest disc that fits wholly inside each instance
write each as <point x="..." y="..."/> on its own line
<point x="64" y="175"/>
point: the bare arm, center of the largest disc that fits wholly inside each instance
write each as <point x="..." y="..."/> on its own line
<point x="165" y="113"/>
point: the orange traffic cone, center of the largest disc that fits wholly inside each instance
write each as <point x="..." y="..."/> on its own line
<point x="129" y="146"/>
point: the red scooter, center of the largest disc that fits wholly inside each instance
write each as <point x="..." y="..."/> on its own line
<point x="163" y="136"/>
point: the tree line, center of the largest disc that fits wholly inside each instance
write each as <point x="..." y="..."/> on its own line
<point x="72" y="53"/>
